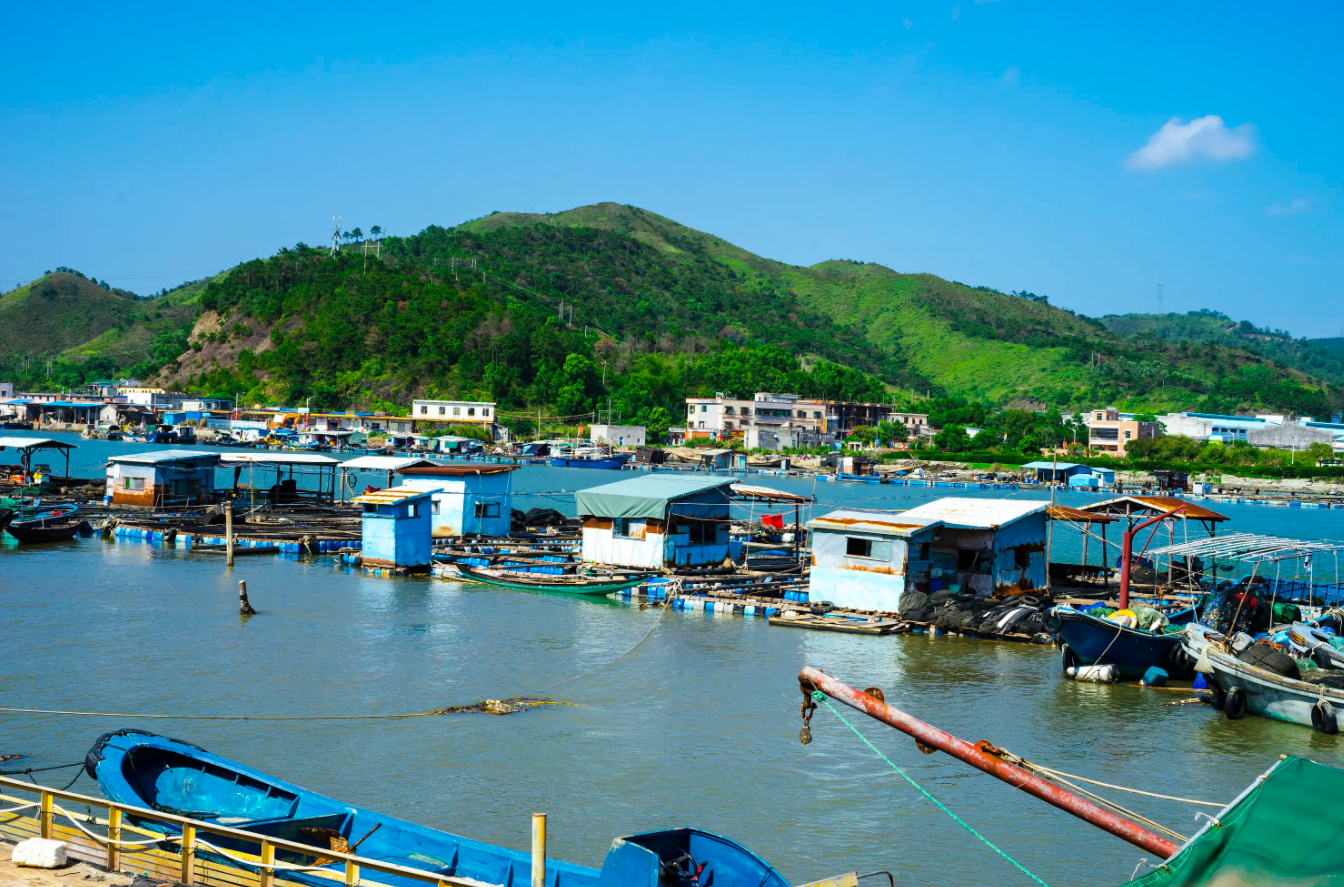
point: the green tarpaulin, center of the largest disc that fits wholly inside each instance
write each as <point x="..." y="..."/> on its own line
<point x="1282" y="831"/>
<point x="645" y="497"/>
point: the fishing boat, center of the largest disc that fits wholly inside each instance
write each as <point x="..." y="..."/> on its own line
<point x="585" y="585"/>
<point x="139" y="768"/>
<point x="1240" y="687"/>
<point x="1093" y="640"/>
<point x="587" y="457"/>
<point x="1264" y="836"/>
<point x="44" y="528"/>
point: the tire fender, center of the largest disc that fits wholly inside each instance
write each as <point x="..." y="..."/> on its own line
<point x="1234" y="704"/>
<point x="1323" y="718"/>
<point x="1068" y="659"/>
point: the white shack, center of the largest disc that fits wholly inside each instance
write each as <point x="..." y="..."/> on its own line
<point x="618" y="435"/>
<point x="865" y="560"/>
<point x="656" y="522"/>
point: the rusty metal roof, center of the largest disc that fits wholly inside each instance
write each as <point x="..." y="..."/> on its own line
<point x="393" y="496"/>
<point x="769" y="494"/>
<point x="881" y="523"/>
<point x="978" y="514"/>
<point x="1153" y="505"/>
<point x="430" y="469"/>
<point x="1079" y="515"/>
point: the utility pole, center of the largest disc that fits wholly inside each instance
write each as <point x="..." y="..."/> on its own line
<point x="1159" y="299"/>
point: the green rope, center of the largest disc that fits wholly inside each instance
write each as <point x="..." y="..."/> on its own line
<point x="818" y="696"/>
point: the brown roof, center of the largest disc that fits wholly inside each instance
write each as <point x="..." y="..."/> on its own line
<point x="1078" y="515"/>
<point x="457" y="470"/>
<point x="1155" y="505"/>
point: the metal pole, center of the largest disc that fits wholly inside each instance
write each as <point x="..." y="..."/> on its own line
<point x="538" y="850"/>
<point x="228" y="534"/>
<point x="978" y="756"/>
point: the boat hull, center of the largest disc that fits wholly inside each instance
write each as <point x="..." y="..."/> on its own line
<point x="1133" y="651"/>
<point x="590" y="588"/>
<point x="607" y="462"/>
<point x="1268" y="695"/>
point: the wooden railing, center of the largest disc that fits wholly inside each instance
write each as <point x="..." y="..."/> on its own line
<point x="104" y="841"/>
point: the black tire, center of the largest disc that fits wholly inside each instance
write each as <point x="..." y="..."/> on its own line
<point x="1323" y="718"/>
<point x="1234" y="704"/>
<point x="1178" y="662"/>
<point x="1217" y="698"/>
<point x="1052" y="622"/>
<point x="1068" y="659"/>
<point x="1030" y="600"/>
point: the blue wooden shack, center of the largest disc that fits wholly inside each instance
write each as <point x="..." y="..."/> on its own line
<point x="467" y="499"/>
<point x="397" y="529"/>
<point x="656" y="522"/>
<point x="866" y="560"/>
<point x="1058" y="472"/>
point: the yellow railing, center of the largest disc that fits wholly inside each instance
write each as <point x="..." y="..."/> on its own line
<point x="103" y="841"/>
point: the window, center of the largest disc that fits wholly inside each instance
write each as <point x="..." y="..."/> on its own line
<point x="925" y="551"/>
<point x="703" y="533"/>
<point x="690" y="408"/>
<point x="1128" y="434"/>
<point x="625" y="528"/>
<point x="424" y="410"/>
<point x="442" y="411"/>
<point x="704" y="408"/>
<point x="971" y="561"/>
<point x="471" y="411"/>
<point x="485" y="411"/>
<point x="457" y="411"/>
<point x="855" y="547"/>
<point x="728" y="410"/>
<point x="370" y="508"/>
<point x="816" y="415"/>
<point x="434" y="507"/>
<point x="487" y="509"/>
<point x="702" y="423"/>
<point x="135" y="483"/>
<point x="412" y="509"/>
<point x="1105" y="433"/>
<point x="1022" y="557"/>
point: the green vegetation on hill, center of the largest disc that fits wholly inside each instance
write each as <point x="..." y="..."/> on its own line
<point x="561" y="312"/>
<point x="1321" y="358"/>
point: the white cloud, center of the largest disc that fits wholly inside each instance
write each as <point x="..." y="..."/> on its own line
<point x="956" y="12"/>
<point x="907" y="22"/>
<point x="1291" y="208"/>
<point x="1205" y="138"/>
<point x="1011" y="77"/>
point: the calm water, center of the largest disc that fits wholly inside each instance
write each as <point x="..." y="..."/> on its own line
<point x="698" y="725"/>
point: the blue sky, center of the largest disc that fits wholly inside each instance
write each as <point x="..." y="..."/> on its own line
<point x="1083" y="151"/>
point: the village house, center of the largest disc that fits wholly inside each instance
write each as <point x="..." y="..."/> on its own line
<point x="467" y="500"/>
<point x="618" y="435"/>
<point x="162" y="478"/>
<point x="1110" y="432"/>
<point x="656" y="522"/>
<point x="865" y="560"/>
<point x="396" y="531"/>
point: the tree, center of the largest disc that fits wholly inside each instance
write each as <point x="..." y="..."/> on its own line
<point x="864" y="433"/>
<point x="357" y="234"/>
<point x="952" y="439"/>
<point x="892" y="432"/>
<point x="1318" y="451"/>
<point x="376" y="232"/>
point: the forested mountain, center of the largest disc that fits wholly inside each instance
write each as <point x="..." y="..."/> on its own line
<point x="1321" y="358"/>
<point x="561" y="311"/>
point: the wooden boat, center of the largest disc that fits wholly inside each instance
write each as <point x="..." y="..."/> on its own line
<point x="33" y="531"/>
<point x="6" y="515"/>
<point x="1091" y="640"/>
<point x="615" y="460"/>
<point x="586" y="585"/>
<point x="154" y="772"/>
<point x="1240" y="687"/>
<point x="238" y="550"/>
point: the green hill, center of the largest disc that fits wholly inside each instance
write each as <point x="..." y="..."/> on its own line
<point x="564" y="310"/>
<point x="57" y="311"/>
<point x="1321" y="358"/>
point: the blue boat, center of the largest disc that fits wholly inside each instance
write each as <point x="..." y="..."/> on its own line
<point x="616" y="460"/>
<point x="1091" y="640"/>
<point x="141" y="769"/>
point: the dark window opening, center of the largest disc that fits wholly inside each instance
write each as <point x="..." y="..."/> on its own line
<point x="1022" y="557"/>
<point x="970" y="561"/>
<point x="858" y="547"/>
<point x="487" y="509"/>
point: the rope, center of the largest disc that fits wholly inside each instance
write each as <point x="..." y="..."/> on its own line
<point x="103" y="839"/>
<point x="284" y="867"/>
<point x="18" y="808"/>
<point x="818" y="696"/>
<point x="1120" y="788"/>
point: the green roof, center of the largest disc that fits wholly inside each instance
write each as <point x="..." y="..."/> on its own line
<point x="644" y="497"/>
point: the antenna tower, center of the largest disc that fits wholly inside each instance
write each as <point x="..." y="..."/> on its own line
<point x="1159" y="299"/>
<point x="335" y="234"/>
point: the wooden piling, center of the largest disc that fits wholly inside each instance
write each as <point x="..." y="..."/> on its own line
<point x="244" y="605"/>
<point x="228" y="534"/>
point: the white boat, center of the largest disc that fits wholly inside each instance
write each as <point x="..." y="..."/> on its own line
<point x="1240" y="687"/>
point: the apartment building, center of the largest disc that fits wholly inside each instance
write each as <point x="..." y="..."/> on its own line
<point x="1111" y="432"/>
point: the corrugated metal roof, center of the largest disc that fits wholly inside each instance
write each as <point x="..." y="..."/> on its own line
<point x="386" y="463"/>
<point x="159" y="456"/>
<point x="1156" y="505"/>
<point x="265" y="458"/>
<point x="767" y="493"/>
<point x="978" y="514"/>
<point x="880" y="523"/>
<point x="23" y="443"/>
<point x="391" y="497"/>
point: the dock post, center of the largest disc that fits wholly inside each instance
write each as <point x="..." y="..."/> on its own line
<point x="266" y="871"/>
<point x="244" y="605"/>
<point x="188" y="869"/>
<point x="113" y="836"/>
<point x="538" y="850"/>
<point x="228" y="534"/>
<point x="44" y="820"/>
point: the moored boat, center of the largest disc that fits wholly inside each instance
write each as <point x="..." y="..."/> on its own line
<point x="45" y="531"/>
<point x="585" y="585"/>
<point x="615" y="460"/>
<point x="149" y="771"/>
<point x="1092" y="640"/>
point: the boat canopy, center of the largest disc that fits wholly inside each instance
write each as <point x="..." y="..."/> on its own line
<point x="1265" y="836"/>
<point x="644" y="497"/>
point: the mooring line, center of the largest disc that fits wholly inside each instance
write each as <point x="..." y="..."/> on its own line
<point x="818" y="696"/>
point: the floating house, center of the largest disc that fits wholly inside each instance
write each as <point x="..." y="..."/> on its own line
<point x="467" y="500"/>
<point x="1058" y="472"/>
<point x="656" y="522"/>
<point x="162" y="478"/>
<point x="1094" y="479"/>
<point x="866" y="560"/>
<point x="396" y="529"/>
<point x="25" y="447"/>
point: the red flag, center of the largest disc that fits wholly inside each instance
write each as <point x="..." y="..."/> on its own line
<point x="773" y="520"/>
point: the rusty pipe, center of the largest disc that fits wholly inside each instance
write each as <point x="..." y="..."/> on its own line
<point x="1127" y="550"/>
<point x="929" y="735"/>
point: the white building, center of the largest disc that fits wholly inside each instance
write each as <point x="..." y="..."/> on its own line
<point x="470" y="412"/>
<point x="6" y="390"/>
<point x="721" y="416"/>
<point x="618" y="435"/>
<point x="772" y="437"/>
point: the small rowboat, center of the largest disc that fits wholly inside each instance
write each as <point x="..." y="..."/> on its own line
<point x="1090" y="640"/>
<point x="31" y="531"/>
<point x="147" y="771"/>
<point x="596" y="585"/>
